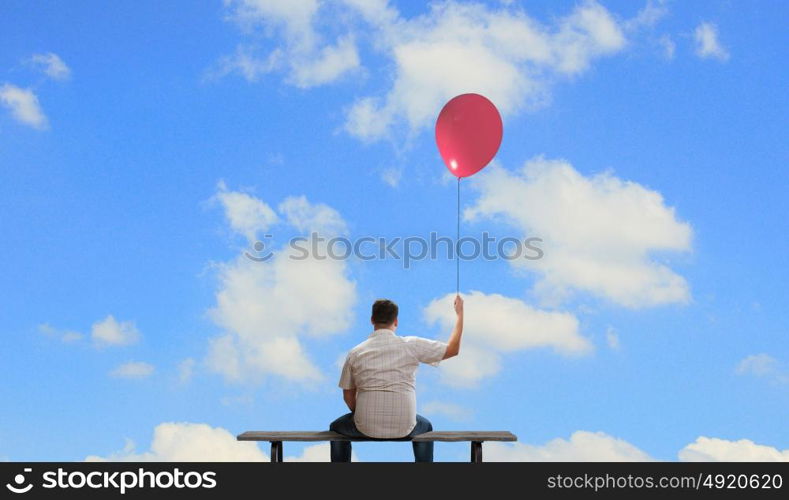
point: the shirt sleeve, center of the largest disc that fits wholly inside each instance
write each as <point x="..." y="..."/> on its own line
<point x="346" y="377"/>
<point x="427" y="351"/>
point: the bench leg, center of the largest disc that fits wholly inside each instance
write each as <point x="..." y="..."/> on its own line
<point x="476" y="452"/>
<point x="276" y="451"/>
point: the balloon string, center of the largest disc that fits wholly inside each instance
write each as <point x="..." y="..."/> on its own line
<point x="457" y="248"/>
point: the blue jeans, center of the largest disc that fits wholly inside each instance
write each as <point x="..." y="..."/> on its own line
<point x="341" y="450"/>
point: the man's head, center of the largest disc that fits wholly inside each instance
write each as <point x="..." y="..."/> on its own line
<point x="384" y="314"/>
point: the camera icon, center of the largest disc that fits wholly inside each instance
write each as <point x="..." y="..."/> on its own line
<point x="259" y="247"/>
<point x="19" y="480"/>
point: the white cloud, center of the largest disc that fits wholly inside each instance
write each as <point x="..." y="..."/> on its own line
<point x="308" y="60"/>
<point x="249" y="65"/>
<point x="391" y="176"/>
<point x="668" y="46"/>
<point x="509" y="324"/>
<point x="497" y="324"/>
<point x="66" y="336"/>
<point x="265" y="308"/>
<point x="454" y="47"/>
<point x="317" y="453"/>
<point x="23" y="105"/>
<point x="364" y="120"/>
<point x="458" y="47"/>
<point x="707" y="43"/>
<point x="308" y="217"/>
<point x="133" y="370"/>
<point x="188" y="442"/>
<point x="111" y="332"/>
<point x="246" y="214"/>
<point x="72" y="336"/>
<point x="649" y="15"/>
<point x="186" y="370"/>
<point x="583" y="446"/>
<point x="449" y="410"/>
<point x="294" y="17"/>
<point x="762" y="365"/>
<point x="589" y="31"/>
<point x="757" y="364"/>
<point x="612" y="338"/>
<point x="106" y="332"/>
<point x="474" y="364"/>
<point x="706" y="449"/>
<point x="332" y="62"/>
<point x="191" y="442"/>
<point x="224" y="357"/>
<point x="52" y="65"/>
<point x="375" y="12"/>
<point x="599" y="232"/>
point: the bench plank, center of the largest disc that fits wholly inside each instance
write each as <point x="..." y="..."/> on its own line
<point x="290" y="436"/>
<point x="466" y="436"/>
<point x="448" y="436"/>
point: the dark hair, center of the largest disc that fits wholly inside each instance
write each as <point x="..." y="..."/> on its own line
<point x="384" y="312"/>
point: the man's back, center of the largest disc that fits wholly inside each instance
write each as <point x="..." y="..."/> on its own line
<point x="378" y="380"/>
<point x="382" y="369"/>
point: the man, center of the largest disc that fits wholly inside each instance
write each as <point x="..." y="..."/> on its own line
<point x="378" y="381"/>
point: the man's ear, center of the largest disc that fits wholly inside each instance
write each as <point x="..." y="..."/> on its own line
<point x="395" y="322"/>
<point x="371" y="321"/>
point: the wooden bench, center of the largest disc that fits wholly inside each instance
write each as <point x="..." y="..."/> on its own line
<point x="475" y="437"/>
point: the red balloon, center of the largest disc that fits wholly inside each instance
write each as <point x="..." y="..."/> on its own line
<point x="468" y="134"/>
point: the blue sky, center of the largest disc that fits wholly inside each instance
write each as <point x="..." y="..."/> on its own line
<point x="144" y="148"/>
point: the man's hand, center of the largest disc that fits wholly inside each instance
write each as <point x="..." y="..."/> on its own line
<point x="349" y="395"/>
<point x="458" y="305"/>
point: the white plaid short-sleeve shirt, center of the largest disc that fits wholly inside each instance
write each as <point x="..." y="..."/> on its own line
<point x="382" y="369"/>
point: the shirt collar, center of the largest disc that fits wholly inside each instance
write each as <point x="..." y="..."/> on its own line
<point x="382" y="331"/>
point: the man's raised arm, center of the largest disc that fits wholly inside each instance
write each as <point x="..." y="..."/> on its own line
<point x="453" y="346"/>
